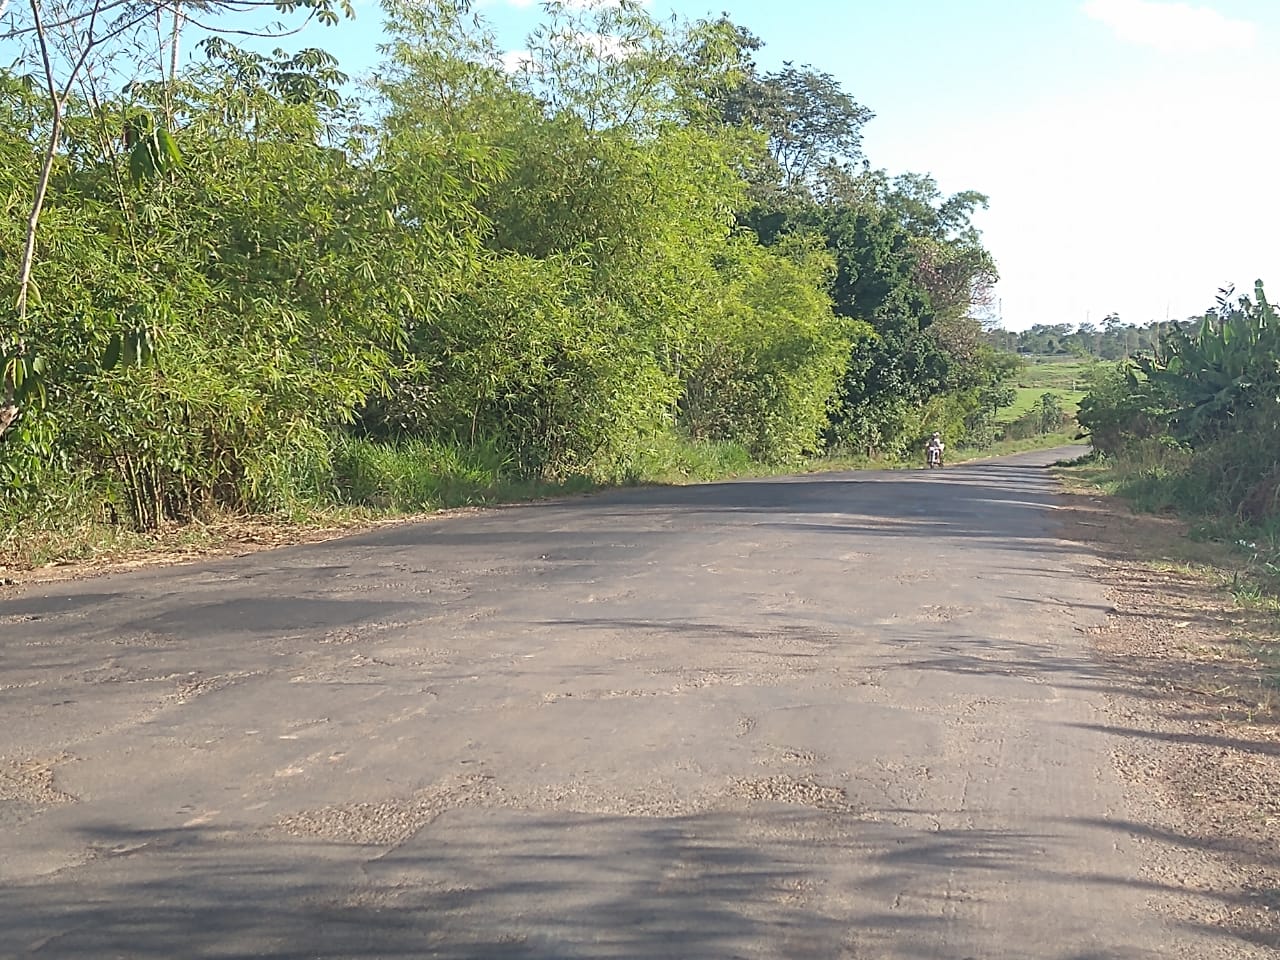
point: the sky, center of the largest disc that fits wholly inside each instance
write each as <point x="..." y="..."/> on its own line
<point x="1127" y="146"/>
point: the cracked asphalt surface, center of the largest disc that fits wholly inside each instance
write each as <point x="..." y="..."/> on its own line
<point x="840" y="715"/>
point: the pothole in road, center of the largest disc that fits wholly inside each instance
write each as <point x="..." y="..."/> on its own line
<point x="788" y="755"/>
<point x="392" y="820"/>
<point x="682" y="682"/>
<point x="146" y="640"/>
<point x="787" y="789"/>
<point x="914" y="576"/>
<point x="937" y="613"/>
<point x="656" y="800"/>
<point x="31" y="781"/>
<point x="195" y="685"/>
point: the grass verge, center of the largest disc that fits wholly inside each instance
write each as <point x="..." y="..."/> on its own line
<point x="374" y="483"/>
<point x="1192" y="707"/>
<point x="1237" y="560"/>
<point x="368" y="484"/>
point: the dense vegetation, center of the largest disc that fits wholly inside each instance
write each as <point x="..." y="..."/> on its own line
<point x="249" y="283"/>
<point x="1194" y="425"/>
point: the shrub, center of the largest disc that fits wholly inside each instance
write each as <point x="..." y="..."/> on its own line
<point x="1120" y="410"/>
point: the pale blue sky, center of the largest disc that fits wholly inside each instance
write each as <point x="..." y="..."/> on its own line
<point x="1127" y="146"/>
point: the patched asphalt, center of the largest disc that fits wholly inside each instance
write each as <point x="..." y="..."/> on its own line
<point x="840" y="715"/>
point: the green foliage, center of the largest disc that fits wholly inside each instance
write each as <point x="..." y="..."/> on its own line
<point x="632" y="255"/>
<point x="152" y="149"/>
<point x="807" y="120"/>
<point x="1044" y="418"/>
<point x="1227" y="369"/>
<point x="413" y="475"/>
<point x="669" y="457"/>
<point x="1215" y="390"/>
<point x="534" y="356"/>
<point x="909" y="265"/>
<point x="889" y="376"/>
<point x="260" y="279"/>
<point x="761" y="371"/>
<point x="1049" y="413"/>
<point x="1120" y="410"/>
<point x="1196" y="428"/>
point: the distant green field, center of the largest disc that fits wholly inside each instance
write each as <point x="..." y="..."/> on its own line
<point x="1029" y="397"/>
<point x="1064" y="376"/>
<point x="1055" y="373"/>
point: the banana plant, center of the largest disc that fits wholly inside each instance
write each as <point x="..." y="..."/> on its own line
<point x="1229" y="365"/>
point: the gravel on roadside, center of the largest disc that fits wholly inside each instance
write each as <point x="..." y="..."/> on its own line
<point x="1195" y="712"/>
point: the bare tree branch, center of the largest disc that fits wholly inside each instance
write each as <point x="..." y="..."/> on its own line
<point x="254" y="33"/>
<point x="46" y="169"/>
<point x="98" y="9"/>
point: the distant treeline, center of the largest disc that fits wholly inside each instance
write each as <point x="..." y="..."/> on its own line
<point x="1111" y="340"/>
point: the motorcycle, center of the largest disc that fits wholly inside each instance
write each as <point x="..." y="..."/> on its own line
<point x="933" y="456"/>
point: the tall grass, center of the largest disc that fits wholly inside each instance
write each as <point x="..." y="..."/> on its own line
<point x="1236" y="478"/>
<point x="671" y="458"/>
<point x="1214" y="489"/>
<point x="413" y="475"/>
<point x="1157" y="477"/>
<point x="64" y="522"/>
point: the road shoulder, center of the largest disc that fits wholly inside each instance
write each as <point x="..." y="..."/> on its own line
<point x="1195" y="713"/>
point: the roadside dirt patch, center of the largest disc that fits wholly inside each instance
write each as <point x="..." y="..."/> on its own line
<point x="193" y="542"/>
<point x="1195" y="714"/>
<point x="173" y="545"/>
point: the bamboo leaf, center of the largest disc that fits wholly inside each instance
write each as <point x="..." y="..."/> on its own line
<point x="141" y="166"/>
<point x="168" y="149"/>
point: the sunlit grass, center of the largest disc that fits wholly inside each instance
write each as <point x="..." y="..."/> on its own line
<point x="1057" y="373"/>
<point x="1028" y="398"/>
<point x="1238" y="557"/>
<point x="368" y="482"/>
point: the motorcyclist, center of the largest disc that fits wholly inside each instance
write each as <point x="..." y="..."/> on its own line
<point x="933" y="449"/>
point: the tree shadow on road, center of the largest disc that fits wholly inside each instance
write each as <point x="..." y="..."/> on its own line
<point x="770" y="881"/>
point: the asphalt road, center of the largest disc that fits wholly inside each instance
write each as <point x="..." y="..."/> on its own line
<point x="846" y="715"/>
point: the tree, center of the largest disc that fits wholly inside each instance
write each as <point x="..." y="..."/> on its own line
<point x="614" y="294"/>
<point x="762" y="370"/>
<point x="906" y="257"/>
<point x="75" y="45"/>
<point x="1049" y="412"/>
<point x="807" y="119"/>
<point x="272" y="272"/>
<point x="1120" y="408"/>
